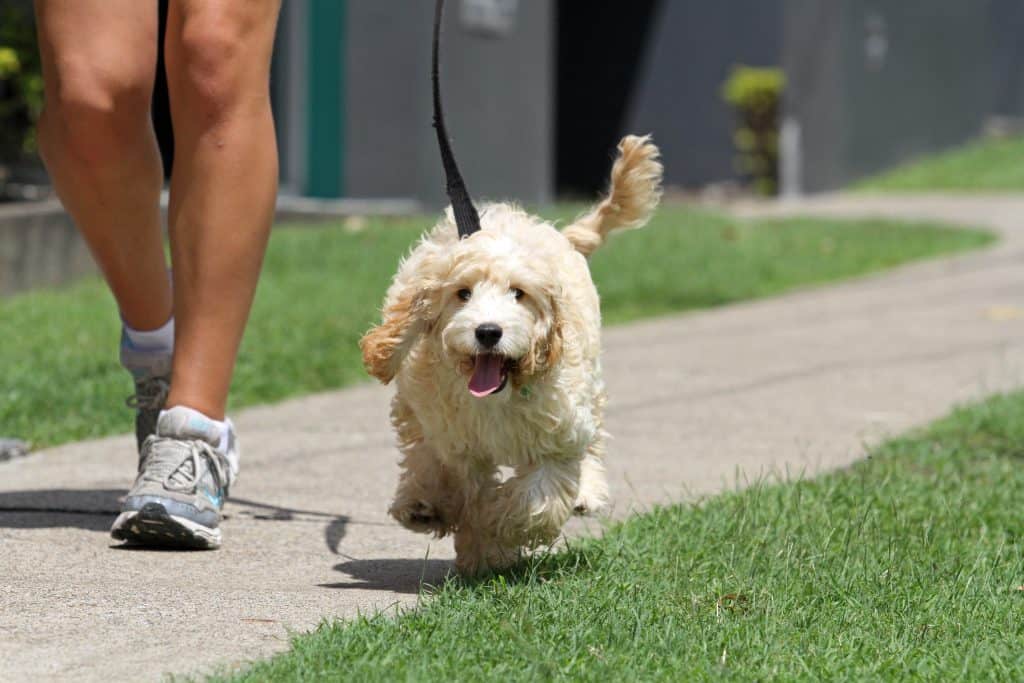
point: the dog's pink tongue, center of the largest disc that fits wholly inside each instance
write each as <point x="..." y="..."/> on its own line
<point x="486" y="377"/>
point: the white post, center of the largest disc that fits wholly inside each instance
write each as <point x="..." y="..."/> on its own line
<point x="790" y="159"/>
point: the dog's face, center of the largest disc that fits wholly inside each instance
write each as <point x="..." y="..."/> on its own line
<point x="489" y="304"/>
<point x="499" y="315"/>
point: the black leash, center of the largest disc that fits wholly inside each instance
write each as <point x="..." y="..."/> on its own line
<point x="466" y="217"/>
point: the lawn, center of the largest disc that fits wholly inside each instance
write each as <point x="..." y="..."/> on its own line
<point x="322" y="287"/>
<point x="995" y="165"/>
<point x="909" y="565"/>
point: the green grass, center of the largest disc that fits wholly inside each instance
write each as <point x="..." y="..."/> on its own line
<point x="995" y="165"/>
<point x="322" y="286"/>
<point x="909" y="565"/>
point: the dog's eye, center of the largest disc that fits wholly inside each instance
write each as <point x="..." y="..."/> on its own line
<point x="464" y="294"/>
<point x="517" y="293"/>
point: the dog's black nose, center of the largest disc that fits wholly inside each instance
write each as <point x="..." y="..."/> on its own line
<point x="488" y="335"/>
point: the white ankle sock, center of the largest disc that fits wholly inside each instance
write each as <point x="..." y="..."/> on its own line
<point x="160" y="338"/>
<point x="185" y="421"/>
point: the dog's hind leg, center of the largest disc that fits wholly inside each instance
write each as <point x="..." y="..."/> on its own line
<point x="534" y="505"/>
<point x="477" y="550"/>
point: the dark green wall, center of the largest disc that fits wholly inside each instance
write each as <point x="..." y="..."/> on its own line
<point x="325" y="152"/>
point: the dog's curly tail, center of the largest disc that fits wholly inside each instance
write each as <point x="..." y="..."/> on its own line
<point x="633" y="194"/>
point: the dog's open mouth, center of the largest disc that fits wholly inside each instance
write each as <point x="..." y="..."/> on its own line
<point x="490" y="374"/>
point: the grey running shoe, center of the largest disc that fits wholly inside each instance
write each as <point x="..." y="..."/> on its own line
<point x="183" y="480"/>
<point x="151" y="371"/>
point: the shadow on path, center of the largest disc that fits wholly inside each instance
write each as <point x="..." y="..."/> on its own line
<point x="95" y="510"/>
<point x="89" y="509"/>
<point x="398" y="575"/>
<point x="334" y="532"/>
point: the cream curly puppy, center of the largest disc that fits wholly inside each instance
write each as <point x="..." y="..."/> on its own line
<point x="494" y="344"/>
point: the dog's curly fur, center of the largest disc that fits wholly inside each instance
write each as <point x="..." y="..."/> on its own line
<point x="521" y="273"/>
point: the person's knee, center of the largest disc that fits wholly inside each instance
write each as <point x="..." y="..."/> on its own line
<point x="216" y="75"/>
<point x="90" y="113"/>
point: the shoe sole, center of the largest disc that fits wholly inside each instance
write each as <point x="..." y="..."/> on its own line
<point x="154" y="527"/>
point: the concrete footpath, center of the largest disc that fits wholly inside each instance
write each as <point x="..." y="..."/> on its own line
<point x="793" y="384"/>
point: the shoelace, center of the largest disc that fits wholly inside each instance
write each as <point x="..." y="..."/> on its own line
<point x="150" y="393"/>
<point x="174" y="473"/>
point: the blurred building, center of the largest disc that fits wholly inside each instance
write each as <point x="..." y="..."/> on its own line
<point x="352" y="97"/>
<point x="537" y="92"/>
<point x="872" y="83"/>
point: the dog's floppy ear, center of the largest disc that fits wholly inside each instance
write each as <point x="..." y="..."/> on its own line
<point x="552" y="351"/>
<point x="406" y="316"/>
<point x="546" y="350"/>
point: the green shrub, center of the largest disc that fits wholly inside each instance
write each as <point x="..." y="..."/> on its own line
<point x="21" y="83"/>
<point x="755" y="93"/>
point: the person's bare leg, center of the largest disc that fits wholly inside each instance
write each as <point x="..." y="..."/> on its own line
<point x="223" y="187"/>
<point x="95" y="135"/>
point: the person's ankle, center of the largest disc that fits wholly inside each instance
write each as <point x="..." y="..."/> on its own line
<point x="147" y="353"/>
<point x="162" y="338"/>
<point x="186" y="422"/>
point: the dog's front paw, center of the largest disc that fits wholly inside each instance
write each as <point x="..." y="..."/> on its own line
<point x="592" y="498"/>
<point x="589" y="503"/>
<point x="419" y="516"/>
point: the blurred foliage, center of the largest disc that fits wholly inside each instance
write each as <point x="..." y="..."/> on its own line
<point x="21" y="82"/>
<point x="10" y="65"/>
<point x="755" y="93"/>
